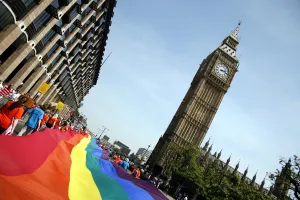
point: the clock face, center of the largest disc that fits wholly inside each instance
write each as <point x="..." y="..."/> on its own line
<point x="222" y="70"/>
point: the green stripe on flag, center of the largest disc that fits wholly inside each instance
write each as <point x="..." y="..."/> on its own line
<point x="109" y="188"/>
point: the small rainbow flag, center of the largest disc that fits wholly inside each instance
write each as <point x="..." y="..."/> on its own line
<point x="58" y="166"/>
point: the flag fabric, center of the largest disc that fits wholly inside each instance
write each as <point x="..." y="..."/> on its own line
<point x="65" y="165"/>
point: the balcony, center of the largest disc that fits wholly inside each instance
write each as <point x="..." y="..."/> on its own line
<point x="53" y="12"/>
<point x="61" y="43"/>
<point x="71" y="14"/>
<point x="79" y="36"/>
<point x="85" y="1"/>
<point x="21" y="7"/>
<point x="64" y="2"/>
<point x="84" y="38"/>
<point x="94" y="5"/>
<point x="93" y="19"/>
<point x="59" y="30"/>
<point x="64" y="54"/>
<point x="78" y="23"/>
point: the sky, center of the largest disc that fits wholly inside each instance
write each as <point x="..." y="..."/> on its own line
<point x="157" y="47"/>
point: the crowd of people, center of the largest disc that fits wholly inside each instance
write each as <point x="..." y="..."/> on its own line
<point x="15" y="107"/>
<point x="8" y="91"/>
<point x="136" y="171"/>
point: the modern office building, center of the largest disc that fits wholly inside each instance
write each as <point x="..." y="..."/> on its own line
<point x="60" y="42"/>
<point x="105" y="138"/>
<point x="143" y="153"/>
<point x="122" y="147"/>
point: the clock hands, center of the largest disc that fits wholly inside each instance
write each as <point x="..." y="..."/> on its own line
<point x="225" y="71"/>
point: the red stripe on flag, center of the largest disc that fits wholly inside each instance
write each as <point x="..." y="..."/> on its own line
<point x="50" y="181"/>
<point x="23" y="155"/>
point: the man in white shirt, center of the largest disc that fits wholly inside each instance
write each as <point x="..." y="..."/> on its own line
<point x="15" y="95"/>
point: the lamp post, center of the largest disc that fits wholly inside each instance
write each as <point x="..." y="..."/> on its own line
<point x="103" y="130"/>
<point x="146" y="151"/>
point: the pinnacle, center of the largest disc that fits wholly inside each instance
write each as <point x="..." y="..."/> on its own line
<point x="235" y="34"/>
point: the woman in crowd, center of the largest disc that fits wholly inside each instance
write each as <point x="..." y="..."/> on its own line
<point x="64" y="126"/>
<point x="136" y="173"/>
<point x="45" y="119"/>
<point x="10" y="114"/>
<point x="70" y="128"/>
<point x="14" y="95"/>
<point x="125" y="164"/>
<point x="57" y="123"/>
<point x="52" y="121"/>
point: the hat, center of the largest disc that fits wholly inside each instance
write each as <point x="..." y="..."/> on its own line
<point x="126" y="159"/>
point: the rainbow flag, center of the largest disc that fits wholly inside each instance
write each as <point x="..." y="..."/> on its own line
<point x="57" y="166"/>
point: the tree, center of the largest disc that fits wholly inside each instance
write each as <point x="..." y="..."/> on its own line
<point x="172" y="158"/>
<point x="291" y="173"/>
<point x="206" y="178"/>
<point x="189" y="170"/>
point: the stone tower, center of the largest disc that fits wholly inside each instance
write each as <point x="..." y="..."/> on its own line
<point x="201" y="102"/>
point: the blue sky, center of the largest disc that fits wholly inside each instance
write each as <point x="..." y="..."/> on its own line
<point x="157" y="47"/>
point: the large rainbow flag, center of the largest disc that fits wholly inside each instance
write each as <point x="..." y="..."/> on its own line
<point x="57" y="166"/>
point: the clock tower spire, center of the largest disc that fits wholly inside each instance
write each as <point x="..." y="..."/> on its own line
<point x="201" y="102"/>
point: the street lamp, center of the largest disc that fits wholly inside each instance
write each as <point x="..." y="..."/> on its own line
<point x="146" y="151"/>
<point x="103" y="130"/>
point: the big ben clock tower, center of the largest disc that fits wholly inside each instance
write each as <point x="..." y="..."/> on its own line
<point x="201" y="102"/>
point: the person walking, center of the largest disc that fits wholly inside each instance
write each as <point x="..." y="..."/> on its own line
<point x="64" y="126"/>
<point x="34" y="121"/>
<point x="45" y="119"/>
<point x="52" y="121"/>
<point x="57" y="123"/>
<point x="136" y="173"/>
<point x="10" y="114"/>
<point x="125" y="163"/>
<point x="15" y="95"/>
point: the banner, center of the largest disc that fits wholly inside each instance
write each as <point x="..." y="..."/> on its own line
<point x="44" y="88"/>
<point x="60" y="105"/>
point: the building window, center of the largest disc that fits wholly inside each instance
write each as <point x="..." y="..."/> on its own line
<point x="40" y="22"/>
<point x="87" y="11"/>
<point x="72" y="28"/>
<point x="39" y="47"/>
<point x="55" y="4"/>
<point x="73" y="11"/>
<point x="48" y="36"/>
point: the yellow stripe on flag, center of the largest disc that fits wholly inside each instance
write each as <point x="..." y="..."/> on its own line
<point x="82" y="185"/>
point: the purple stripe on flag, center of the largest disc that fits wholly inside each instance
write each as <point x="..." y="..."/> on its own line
<point x="146" y="185"/>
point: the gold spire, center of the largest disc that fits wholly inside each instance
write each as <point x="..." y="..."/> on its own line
<point x="235" y="34"/>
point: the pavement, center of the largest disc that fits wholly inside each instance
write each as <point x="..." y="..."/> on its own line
<point x="19" y="126"/>
<point x="169" y="197"/>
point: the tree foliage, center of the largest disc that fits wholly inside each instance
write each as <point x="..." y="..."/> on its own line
<point x="207" y="179"/>
<point x="291" y="175"/>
